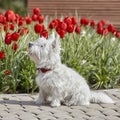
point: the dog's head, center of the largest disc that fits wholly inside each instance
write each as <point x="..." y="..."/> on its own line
<point x="45" y="52"/>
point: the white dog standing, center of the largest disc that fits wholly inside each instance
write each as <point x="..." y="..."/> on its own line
<point x="58" y="83"/>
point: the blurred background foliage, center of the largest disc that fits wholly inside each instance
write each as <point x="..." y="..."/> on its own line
<point x="18" y="6"/>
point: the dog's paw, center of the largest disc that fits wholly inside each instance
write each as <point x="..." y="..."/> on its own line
<point x="55" y="103"/>
<point x="49" y="99"/>
<point x="85" y="103"/>
<point x="69" y="103"/>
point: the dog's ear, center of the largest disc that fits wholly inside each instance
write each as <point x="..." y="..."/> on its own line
<point x="52" y="37"/>
<point x="55" y="41"/>
<point x="56" y="44"/>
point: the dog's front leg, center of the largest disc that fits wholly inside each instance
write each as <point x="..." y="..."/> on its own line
<point x="40" y="100"/>
<point x="55" y="99"/>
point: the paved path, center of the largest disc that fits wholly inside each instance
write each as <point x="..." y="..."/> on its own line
<point x="22" y="107"/>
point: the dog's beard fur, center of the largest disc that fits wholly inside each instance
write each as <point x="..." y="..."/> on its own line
<point x="60" y="84"/>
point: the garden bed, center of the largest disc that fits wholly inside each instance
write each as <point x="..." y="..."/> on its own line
<point x="91" y="48"/>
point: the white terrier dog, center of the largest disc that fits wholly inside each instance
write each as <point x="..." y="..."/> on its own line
<point x="58" y="83"/>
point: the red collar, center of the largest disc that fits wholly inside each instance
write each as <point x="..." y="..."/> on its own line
<point x="44" y="70"/>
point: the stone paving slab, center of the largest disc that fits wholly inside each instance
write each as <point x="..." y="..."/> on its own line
<point x="23" y="107"/>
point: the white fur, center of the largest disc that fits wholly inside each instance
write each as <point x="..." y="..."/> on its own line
<point x="61" y="84"/>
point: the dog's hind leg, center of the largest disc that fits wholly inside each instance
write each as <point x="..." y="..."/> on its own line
<point x="78" y="99"/>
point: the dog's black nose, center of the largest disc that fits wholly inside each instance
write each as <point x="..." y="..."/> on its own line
<point x="30" y="45"/>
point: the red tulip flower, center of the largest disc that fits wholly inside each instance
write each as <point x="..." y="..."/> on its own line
<point x="52" y="25"/>
<point x="103" y="22"/>
<point x="105" y="31"/>
<point x="7" y="72"/>
<point x="58" y="29"/>
<point x="15" y="46"/>
<point x="74" y="21"/>
<point x="84" y="21"/>
<point x="41" y="19"/>
<point x="36" y="11"/>
<point x="4" y="20"/>
<point x="99" y="25"/>
<point x="62" y="33"/>
<point x="8" y="39"/>
<point x="92" y="23"/>
<point x="62" y="25"/>
<point x="21" y="23"/>
<point x="10" y="16"/>
<point x="44" y="33"/>
<point x="12" y="27"/>
<point x="70" y="28"/>
<point x="114" y="30"/>
<point x="15" y="36"/>
<point x="6" y="27"/>
<point x="117" y="34"/>
<point x="78" y="29"/>
<point x="28" y="20"/>
<point x="68" y="20"/>
<point x="57" y="21"/>
<point x="110" y="28"/>
<point x="35" y="17"/>
<point x="100" y="31"/>
<point x="2" y="55"/>
<point x="21" y="18"/>
<point x="38" y="28"/>
<point x="1" y="18"/>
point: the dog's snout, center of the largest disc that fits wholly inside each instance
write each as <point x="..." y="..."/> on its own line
<point x="30" y="45"/>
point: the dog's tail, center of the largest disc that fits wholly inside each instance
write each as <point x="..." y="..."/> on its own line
<point x="99" y="97"/>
